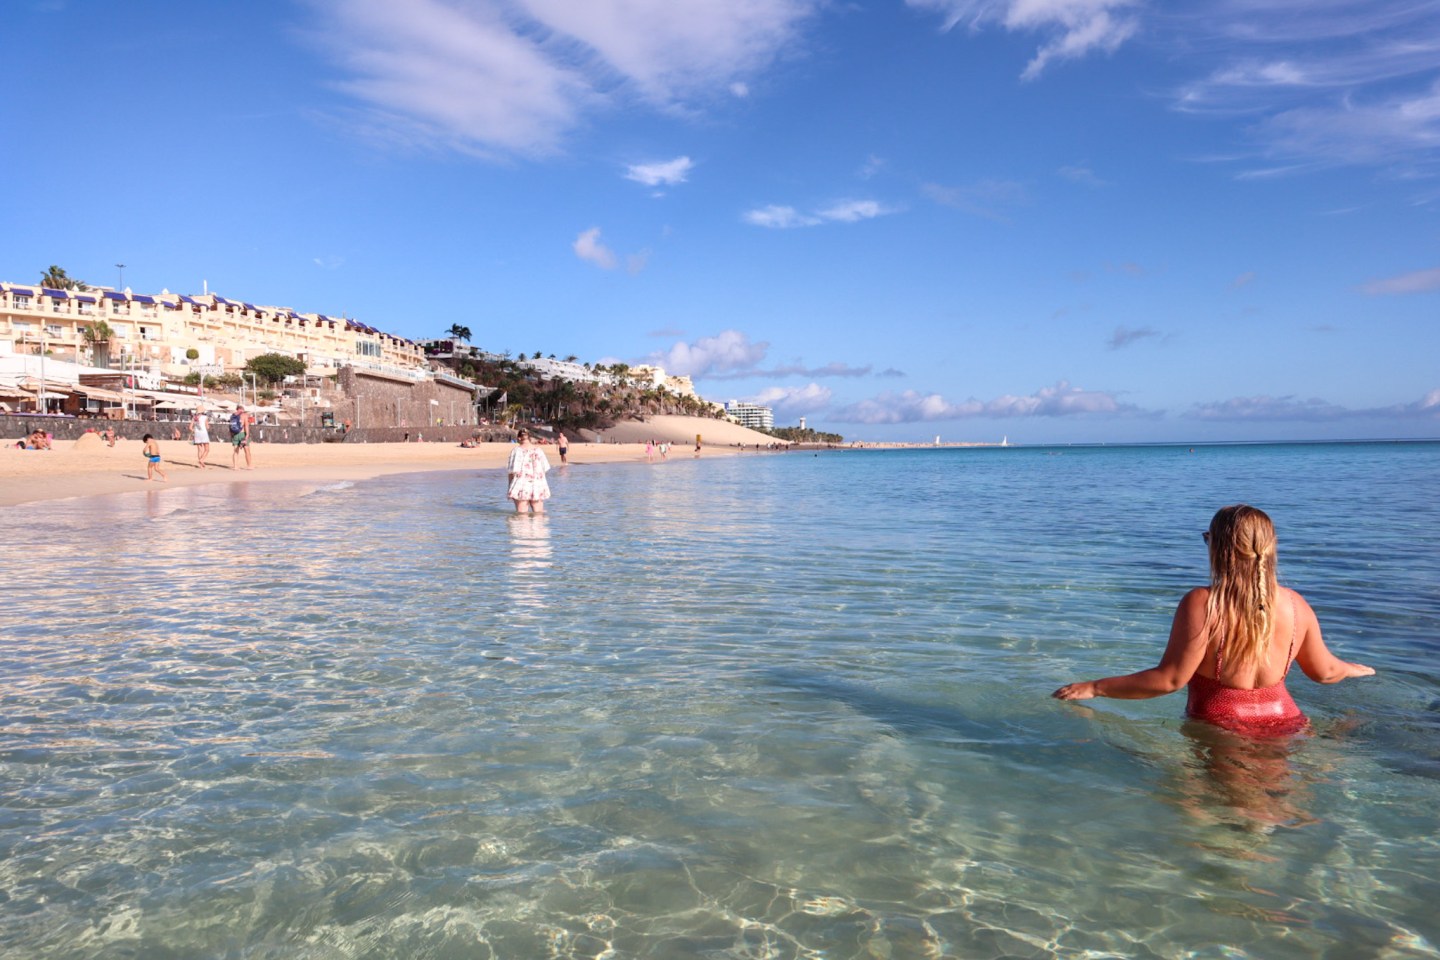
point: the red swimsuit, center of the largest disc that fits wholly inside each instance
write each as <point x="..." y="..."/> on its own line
<point x="1263" y="711"/>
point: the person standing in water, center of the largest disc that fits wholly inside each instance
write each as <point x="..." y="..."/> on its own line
<point x="526" y="472"/>
<point x="1233" y="642"/>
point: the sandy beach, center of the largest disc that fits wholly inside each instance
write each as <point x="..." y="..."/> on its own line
<point x="87" y="467"/>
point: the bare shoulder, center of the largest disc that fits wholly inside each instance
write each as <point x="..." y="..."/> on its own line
<point x="1302" y="606"/>
<point x="1196" y="599"/>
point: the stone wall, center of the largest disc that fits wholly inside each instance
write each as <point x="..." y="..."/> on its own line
<point x="371" y="400"/>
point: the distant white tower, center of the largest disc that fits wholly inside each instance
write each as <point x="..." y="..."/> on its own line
<point x="937" y="439"/>
<point x="802" y="423"/>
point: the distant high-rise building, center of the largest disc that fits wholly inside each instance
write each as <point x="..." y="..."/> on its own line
<point x="750" y="415"/>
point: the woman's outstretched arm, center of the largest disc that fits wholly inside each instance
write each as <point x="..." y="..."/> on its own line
<point x="1314" y="657"/>
<point x="1182" y="656"/>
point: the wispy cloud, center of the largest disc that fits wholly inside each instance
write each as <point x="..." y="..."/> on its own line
<point x="727" y="351"/>
<point x="778" y="217"/>
<point x="1125" y="336"/>
<point x="1072" y="28"/>
<point x="1083" y="176"/>
<point x="1289" y="409"/>
<point x="1420" y="281"/>
<point x="503" y="77"/>
<point x="1326" y="83"/>
<point x="909" y="406"/>
<point x="666" y="173"/>
<point x="1244" y="280"/>
<point x="800" y="370"/>
<point x="991" y="199"/>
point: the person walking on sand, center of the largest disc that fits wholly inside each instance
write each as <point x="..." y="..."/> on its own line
<point x="650" y="451"/>
<point x="1233" y="642"/>
<point x="200" y="437"/>
<point x="152" y="458"/>
<point x="526" y="473"/>
<point x="240" y="437"/>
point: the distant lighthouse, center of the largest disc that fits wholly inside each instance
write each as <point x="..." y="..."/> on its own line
<point x="802" y="423"/>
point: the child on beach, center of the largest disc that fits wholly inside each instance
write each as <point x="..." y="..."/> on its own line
<point x="152" y="458"/>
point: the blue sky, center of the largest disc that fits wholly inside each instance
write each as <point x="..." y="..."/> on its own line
<point x="1052" y="220"/>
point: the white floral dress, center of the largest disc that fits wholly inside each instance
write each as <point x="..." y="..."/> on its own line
<point x="528" y="466"/>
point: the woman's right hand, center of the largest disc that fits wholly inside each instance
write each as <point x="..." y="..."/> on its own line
<point x="1085" y="690"/>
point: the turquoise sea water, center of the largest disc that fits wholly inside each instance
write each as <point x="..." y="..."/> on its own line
<point x="764" y="706"/>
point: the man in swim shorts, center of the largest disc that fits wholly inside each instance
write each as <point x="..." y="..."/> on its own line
<point x="240" y="437"/>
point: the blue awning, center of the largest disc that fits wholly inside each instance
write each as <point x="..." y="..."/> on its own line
<point x="112" y="295"/>
<point x="185" y="299"/>
<point x="141" y="298"/>
<point x="54" y="294"/>
<point x="84" y="298"/>
<point x="22" y="291"/>
<point x="226" y="303"/>
<point x="251" y="307"/>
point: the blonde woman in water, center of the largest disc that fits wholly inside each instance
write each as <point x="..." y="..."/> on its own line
<point x="1233" y="642"/>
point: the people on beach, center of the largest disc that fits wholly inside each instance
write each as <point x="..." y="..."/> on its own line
<point x="200" y="437"/>
<point x="152" y="458"/>
<point x="650" y="450"/>
<point x="1233" y="642"/>
<point x="240" y="422"/>
<point x="526" y="472"/>
<point x="562" y="444"/>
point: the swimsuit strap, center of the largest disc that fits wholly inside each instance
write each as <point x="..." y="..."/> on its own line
<point x="1290" y="654"/>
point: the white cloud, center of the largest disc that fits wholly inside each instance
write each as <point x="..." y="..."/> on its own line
<point x="726" y="351"/>
<point x="794" y="401"/>
<point x="778" y="217"/>
<point x="516" y="76"/>
<point x="850" y="211"/>
<point x="739" y="90"/>
<point x="1061" y="400"/>
<point x="1420" y="281"/>
<point x="666" y="173"/>
<point x="1074" y="28"/>
<point x="588" y="247"/>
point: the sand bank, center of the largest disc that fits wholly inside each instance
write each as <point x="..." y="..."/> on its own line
<point x="87" y="467"/>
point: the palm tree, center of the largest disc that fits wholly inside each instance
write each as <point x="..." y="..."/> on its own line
<point x="98" y="335"/>
<point x="57" y="279"/>
<point x="459" y="332"/>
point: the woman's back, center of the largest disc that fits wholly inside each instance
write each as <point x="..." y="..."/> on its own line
<point x="1287" y="633"/>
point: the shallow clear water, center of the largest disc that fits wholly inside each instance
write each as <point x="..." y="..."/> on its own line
<point x="765" y="706"/>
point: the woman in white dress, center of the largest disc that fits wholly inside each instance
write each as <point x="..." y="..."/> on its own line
<point x="200" y="436"/>
<point x="528" y="466"/>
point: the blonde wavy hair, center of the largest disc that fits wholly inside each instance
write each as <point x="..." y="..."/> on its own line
<point x="1243" y="586"/>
